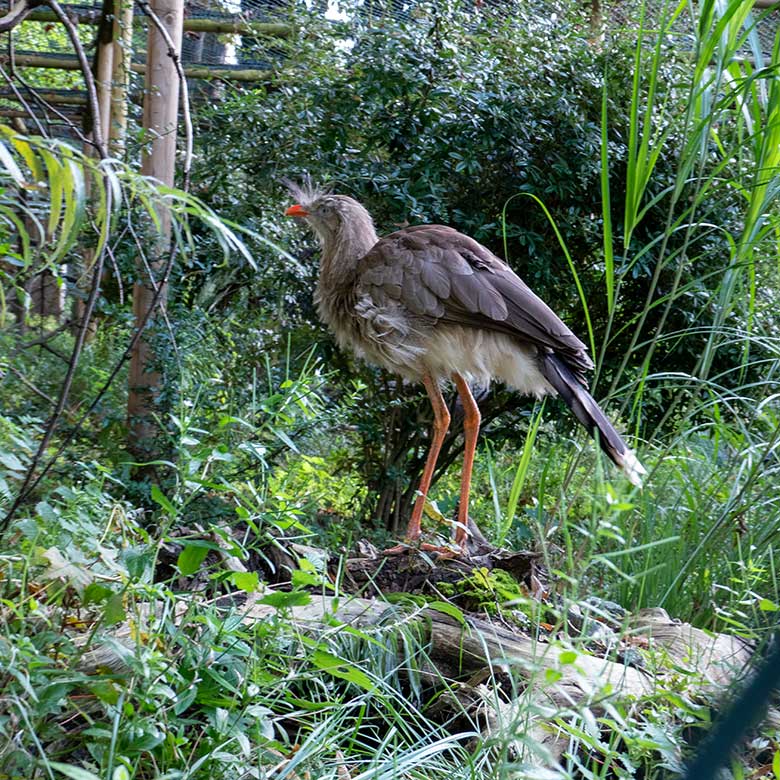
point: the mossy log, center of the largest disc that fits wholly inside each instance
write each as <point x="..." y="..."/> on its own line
<point x="559" y="675"/>
<point x="556" y="669"/>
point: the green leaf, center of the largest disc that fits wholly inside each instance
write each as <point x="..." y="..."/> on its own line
<point x="160" y="498"/>
<point x="53" y="168"/>
<point x="448" y="609"/>
<point x="10" y="461"/>
<point x="74" y="191"/>
<point x="114" y="611"/>
<point x="26" y="151"/>
<point x="185" y="699"/>
<point x="96" y="592"/>
<point x="137" y="559"/>
<point x="106" y="691"/>
<point x="8" y="162"/>
<point x="285" y="439"/>
<point x="303" y="579"/>
<point x="768" y="606"/>
<point x="282" y="600"/>
<point x="567" y="657"/>
<point x="344" y="670"/>
<point x="191" y="557"/>
<point x="552" y="676"/>
<point x="74" y="772"/>
<point x="248" y="581"/>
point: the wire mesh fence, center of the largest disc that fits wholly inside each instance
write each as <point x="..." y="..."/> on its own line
<point x="37" y="41"/>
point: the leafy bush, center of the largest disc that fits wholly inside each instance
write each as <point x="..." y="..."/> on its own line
<point x="483" y="119"/>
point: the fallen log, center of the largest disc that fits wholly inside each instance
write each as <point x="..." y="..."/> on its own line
<point x="560" y="677"/>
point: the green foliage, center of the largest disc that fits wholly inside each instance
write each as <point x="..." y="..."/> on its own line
<point x="46" y="206"/>
<point x="652" y="195"/>
<point x="184" y="687"/>
<point x="462" y="116"/>
<point x="494" y="592"/>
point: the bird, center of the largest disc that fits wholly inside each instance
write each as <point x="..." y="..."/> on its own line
<point x="434" y="306"/>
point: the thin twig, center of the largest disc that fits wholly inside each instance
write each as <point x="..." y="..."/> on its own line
<point x="45" y="337"/>
<point x="29" y="482"/>
<point x="27" y="383"/>
<point x="184" y="90"/>
<point x="50" y="107"/>
<point x="49" y="348"/>
<point x="17" y="94"/>
<point x="86" y="72"/>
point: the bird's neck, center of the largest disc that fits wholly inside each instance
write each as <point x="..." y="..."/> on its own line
<point x="342" y="251"/>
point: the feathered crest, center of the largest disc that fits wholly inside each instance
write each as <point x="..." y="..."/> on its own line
<point x="305" y="191"/>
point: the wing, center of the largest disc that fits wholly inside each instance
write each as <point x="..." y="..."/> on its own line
<point x="438" y="273"/>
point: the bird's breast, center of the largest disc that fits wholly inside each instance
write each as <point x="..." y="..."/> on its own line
<point x="389" y="335"/>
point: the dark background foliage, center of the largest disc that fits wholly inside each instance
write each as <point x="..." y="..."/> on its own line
<point x="457" y="117"/>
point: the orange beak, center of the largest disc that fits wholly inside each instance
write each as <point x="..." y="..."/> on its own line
<point x="296" y="211"/>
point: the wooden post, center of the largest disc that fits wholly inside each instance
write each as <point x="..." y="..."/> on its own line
<point x="120" y="80"/>
<point x="104" y="70"/>
<point x="161" y="104"/>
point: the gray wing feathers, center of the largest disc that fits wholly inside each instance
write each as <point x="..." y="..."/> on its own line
<point x="419" y="298"/>
<point x="435" y="277"/>
<point x="436" y="272"/>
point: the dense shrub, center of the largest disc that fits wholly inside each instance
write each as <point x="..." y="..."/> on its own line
<point x="465" y="116"/>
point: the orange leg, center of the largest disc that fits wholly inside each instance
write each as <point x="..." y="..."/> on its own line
<point x="471" y="421"/>
<point x="441" y="422"/>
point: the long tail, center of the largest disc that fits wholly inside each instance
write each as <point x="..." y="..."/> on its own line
<point x="587" y="411"/>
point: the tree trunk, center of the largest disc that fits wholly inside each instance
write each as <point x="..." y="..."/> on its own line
<point x="161" y="101"/>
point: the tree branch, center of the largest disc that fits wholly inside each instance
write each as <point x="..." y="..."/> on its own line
<point x="86" y="72"/>
<point x="18" y="13"/>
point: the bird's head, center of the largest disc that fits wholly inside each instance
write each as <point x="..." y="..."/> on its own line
<point x="332" y="217"/>
<point x="326" y="213"/>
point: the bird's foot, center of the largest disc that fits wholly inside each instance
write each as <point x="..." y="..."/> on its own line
<point x="444" y="551"/>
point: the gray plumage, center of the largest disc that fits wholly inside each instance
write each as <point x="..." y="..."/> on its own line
<point x="430" y="301"/>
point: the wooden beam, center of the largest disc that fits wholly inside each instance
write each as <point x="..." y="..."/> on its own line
<point x="55" y="98"/>
<point x="18" y="113"/>
<point x="237" y="26"/>
<point x="192" y="24"/>
<point x="227" y="74"/>
<point x="191" y="71"/>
